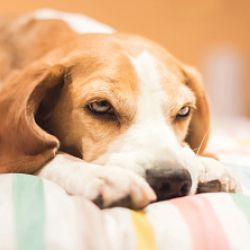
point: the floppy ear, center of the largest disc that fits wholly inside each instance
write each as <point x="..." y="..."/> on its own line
<point x="24" y="146"/>
<point x="199" y="128"/>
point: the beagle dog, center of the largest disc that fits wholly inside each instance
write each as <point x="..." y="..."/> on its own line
<point x="110" y="116"/>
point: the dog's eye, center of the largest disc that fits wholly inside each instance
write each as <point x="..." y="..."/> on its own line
<point x="100" y="107"/>
<point x="184" y="112"/>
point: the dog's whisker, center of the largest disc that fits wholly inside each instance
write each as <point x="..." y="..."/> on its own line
<point x="201" y="144"/>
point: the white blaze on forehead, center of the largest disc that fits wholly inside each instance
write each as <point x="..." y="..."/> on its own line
<point x="146" y="68"/>
<point x="150" y="112"/>
<point x="151" y="95"/>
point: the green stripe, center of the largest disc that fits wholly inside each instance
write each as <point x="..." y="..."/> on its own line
<point x="29" y="209"/>
<point x="243" y="203"/>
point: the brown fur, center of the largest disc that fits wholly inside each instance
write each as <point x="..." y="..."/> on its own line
<point x="58" y="72"/>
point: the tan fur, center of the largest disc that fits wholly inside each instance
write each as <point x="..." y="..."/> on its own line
<point x="65" y="70"/>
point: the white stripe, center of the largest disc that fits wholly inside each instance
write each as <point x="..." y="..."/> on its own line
<point x="59" y="218"/>
<point x="170" y="229"/>
<point x="119" y="228"/>
<point x="72" y="222"/>
<point x="232" y="219"/>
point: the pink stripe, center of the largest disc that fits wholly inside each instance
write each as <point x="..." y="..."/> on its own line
<point x="205" y="228"/>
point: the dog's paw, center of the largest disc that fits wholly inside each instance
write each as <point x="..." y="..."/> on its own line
<point x="225" y="183"/>
<point x="110" y="186"/>
<point x="215" y="177"/>
<point x="121" y="187"/>
<point x="105" y="185"/>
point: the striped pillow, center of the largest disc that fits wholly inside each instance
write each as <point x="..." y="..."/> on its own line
<point x="36" y="214"/>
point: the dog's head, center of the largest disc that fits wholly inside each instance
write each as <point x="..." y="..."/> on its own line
<point x="117" y="100"/>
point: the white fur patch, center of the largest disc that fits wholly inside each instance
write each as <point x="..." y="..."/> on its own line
<point x="78" y="22"/>
<point x="150" y="112"/>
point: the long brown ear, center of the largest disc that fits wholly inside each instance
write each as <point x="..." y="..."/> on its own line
<point x="24" y="146"/>
<point x="199" y="128"/>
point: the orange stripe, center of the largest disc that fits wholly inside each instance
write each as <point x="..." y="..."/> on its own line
<point x="206" y="231"/>
<point x="145" y="239"/>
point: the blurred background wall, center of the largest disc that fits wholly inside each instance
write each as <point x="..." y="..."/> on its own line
<point x="213" y="35"/>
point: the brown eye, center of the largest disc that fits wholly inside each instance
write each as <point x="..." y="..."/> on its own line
<point x="100" y="107"/>
<point x="183" y="112"/>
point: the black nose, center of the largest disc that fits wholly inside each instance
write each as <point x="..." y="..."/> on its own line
<point x="169" y="183"/>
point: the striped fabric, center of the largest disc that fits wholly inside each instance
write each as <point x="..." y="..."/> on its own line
<point x="36" y="214"/>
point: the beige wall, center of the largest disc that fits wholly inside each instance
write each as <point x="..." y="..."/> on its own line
<point x="189" y="29"/>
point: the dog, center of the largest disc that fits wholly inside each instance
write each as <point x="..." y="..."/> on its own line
<point x="110" y="116"/>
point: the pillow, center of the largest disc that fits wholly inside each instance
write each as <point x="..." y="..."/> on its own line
<point x="38" y="214"/>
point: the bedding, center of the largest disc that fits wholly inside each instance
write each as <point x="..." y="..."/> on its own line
<point x="37" y="214"/>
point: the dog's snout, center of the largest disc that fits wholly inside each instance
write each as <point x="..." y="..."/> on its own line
<point x="169" y="183"/>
